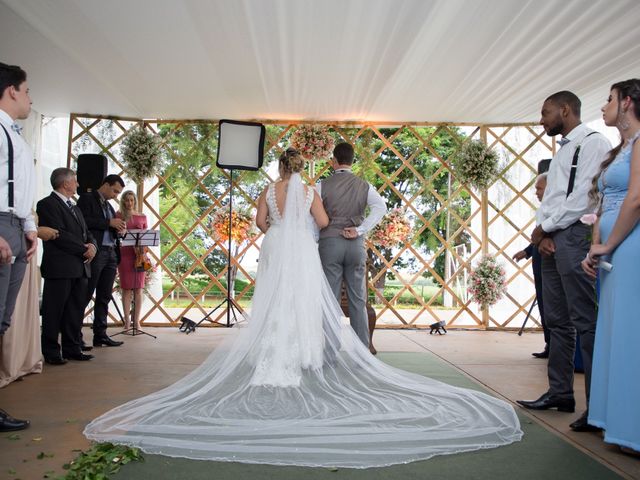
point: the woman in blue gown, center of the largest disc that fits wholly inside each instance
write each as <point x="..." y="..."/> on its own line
<point x="615" y="388"/>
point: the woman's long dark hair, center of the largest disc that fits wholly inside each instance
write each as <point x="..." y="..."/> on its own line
<point x="631" y="89"/>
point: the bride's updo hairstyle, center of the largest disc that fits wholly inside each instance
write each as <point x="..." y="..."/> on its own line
<point x="291" y="161"/>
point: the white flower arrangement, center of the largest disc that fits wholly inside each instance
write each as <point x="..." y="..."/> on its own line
<point x="475" y="164"/>
<point x="140" y="154"/>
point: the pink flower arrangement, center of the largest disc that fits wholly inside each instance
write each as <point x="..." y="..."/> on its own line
<point x="488" y="282"/>
<point x="313" y="141"/>
<point x="394" y="229"/>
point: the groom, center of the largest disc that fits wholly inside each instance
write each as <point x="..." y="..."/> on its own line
<point x="342" y="250"/>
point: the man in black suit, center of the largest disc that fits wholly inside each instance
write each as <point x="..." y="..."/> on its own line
<point x="536" y="264"/>
<point x="65" y="268"/>
<point x="105" y="227"/>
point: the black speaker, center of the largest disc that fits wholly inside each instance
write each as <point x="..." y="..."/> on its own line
<point x="92" y="168"/>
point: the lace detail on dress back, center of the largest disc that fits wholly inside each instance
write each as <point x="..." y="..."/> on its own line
<point x="275" y="215"/>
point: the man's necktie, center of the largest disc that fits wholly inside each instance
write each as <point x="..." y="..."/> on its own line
<point x="73" y="211"/>
<point x="16" y="128"/>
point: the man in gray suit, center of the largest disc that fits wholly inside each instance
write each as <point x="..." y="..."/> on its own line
<point x="342" y="250"/>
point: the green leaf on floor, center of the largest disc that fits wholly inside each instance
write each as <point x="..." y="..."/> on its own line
<point x="13" y="436"/>
<point x="100" y="461"/>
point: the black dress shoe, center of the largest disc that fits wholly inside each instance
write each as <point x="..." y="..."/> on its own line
<point x="81" y="357"/>
<point x="547" y="401"/>
<point x="542" y="354"/>
<point x="582" y="424"/>
<point x="106" y="341"/>
<point x="55" y="360"/>
<point x="10" y="424"/>
<point x="86" y="348"/>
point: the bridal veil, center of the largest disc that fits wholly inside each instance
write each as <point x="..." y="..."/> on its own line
<point x="295" y="386"/>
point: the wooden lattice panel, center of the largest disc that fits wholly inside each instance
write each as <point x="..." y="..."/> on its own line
<point x="452" y="224"/>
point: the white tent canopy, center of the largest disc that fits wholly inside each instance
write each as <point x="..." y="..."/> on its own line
<point x="484" y="61"/>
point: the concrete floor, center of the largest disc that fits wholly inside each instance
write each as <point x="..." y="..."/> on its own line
<point x="61" y="400"/>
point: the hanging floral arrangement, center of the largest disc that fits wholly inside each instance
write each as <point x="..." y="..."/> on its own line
<point x="140" y="154"/>
<point x="475" y="164"/>
<point x="242" y="225"/>
<point x="313" y="141"/>
<point x="394" y="229"/>
<point x="487" y="282"/>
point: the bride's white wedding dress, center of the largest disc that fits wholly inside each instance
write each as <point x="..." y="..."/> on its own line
<point x="296" y="386"/>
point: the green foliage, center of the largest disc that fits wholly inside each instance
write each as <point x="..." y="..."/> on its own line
<point x="100" y="461"/>
<point x="412" y="183"/>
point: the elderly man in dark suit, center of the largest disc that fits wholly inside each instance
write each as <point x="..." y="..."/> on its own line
<point x="65" y="269"/>
<point x="105" y="227"/>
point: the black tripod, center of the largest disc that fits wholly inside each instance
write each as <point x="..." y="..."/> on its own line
<point x="187" y="326"/>
<point x="535" y="302"/>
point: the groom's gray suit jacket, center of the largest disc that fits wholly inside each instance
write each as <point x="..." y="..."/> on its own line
<point x="345" y="199"/>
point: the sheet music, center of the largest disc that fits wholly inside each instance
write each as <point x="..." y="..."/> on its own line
<point x="141" y="238"/>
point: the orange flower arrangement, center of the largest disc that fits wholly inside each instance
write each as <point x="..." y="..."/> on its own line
<point x="242" y="225"/>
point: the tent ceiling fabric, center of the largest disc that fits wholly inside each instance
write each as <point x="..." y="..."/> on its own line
<point x="477" y="61"/>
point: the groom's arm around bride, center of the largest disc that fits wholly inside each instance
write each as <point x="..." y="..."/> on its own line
<point x="342" y="249"/>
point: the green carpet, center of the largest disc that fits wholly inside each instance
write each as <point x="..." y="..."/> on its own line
<point x="540" y="455"/>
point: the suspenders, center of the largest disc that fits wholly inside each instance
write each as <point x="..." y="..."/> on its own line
<point x="574" y="165"/>
<point x="10" y="162"/>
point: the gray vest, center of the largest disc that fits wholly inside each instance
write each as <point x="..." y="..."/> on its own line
<point x="345" y="199"/>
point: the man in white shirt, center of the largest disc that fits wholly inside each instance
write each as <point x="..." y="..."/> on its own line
<point x="563" y="241"/>
<point x="18" y="232"/>
<point x="342" y="249"/>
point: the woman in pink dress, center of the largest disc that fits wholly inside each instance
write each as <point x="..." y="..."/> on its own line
<point x="130" y="280"/>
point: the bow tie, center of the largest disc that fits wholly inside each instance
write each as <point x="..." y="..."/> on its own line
<point x="16" y="128"/>
<point x="563" y="141"/>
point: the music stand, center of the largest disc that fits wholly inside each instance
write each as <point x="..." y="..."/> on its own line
<point x="139" y="238"/>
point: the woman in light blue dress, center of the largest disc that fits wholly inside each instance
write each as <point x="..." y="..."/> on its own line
<point x="615" y="385"/>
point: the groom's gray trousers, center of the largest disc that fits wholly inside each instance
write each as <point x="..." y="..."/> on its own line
<point x="347" y="259"/>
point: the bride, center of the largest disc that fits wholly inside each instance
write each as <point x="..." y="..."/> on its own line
<point x="295" y="386"/>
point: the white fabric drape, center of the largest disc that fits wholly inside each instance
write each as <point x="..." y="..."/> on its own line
<point x="484" y="61"/>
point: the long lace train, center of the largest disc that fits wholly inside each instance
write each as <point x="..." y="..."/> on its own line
<point x="296" y="386"/>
